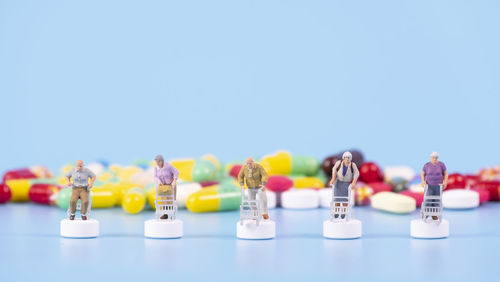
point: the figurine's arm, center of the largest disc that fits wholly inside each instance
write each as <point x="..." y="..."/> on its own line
<point x="422" y="176"/>
<point x="264" y="177"/>
<point x="334" y="172"/>
<point x="241" y="177"/>
<point x="356" y="174"/>
<point x="68" y="177"/>
<point x="175" y="175"/>
<point x="445" y="179"/>
<point x="157" y="178"/>
<point x="92" y="179"/>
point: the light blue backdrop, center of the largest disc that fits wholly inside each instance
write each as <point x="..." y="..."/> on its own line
<point x="123" y="80"/>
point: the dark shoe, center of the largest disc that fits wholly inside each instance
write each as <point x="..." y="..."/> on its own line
<point x="342" y="216"/>
<point x="336" y="216"/>
<point x="265" y="216"/>
<point x="165" y="216"/>
<point x="435" y="218"/>
<point x="84" y="217"/>
<point x="72" y="217"/>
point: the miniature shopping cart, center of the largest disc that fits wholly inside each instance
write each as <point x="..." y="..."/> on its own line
<point x="250" y="209"/>
<point x="432" y="205"/>
<point x="344" y="212"/>
<point x="165" y="201"/>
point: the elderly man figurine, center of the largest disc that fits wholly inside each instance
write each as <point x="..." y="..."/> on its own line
<point x="345" y="173"/>
<point x="433" y="175"/>
<point x="80" y="188"/>
<point x="166" y="178"/>
<point x="255" y="176"/>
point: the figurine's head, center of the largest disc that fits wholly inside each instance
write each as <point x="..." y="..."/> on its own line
<point x="347" y="157"/>
<point x="249" y="162"/>
<point x="159" y="160"/>
<point x="79" y="165"/>
<point x="434" y="157"/>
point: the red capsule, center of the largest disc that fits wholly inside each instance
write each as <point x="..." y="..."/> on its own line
<point x="492" y="186"/>
<point x="370" y="172"/>
<point x="279" y="183"/>
<point x="43" y="193"/>
<point x="208" y="183"/>
<point x="456" y="181"/>
<point x="23" y="173"/>
<point x="5" y="193"/>
<point x="235" y="170"/>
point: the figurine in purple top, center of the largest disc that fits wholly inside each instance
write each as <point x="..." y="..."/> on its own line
<point x="433" y="175"/>
<point x="165" y="175"/>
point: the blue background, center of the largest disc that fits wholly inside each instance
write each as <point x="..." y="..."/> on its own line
<point x="122" y="80"/>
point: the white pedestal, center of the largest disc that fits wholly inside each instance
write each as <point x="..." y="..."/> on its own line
<point x="250" y="230"/>
<point x="429" y="230"/>
<point x="163" y="229"/>
<point x="342" y="229"/>
<point x="78" y="228"/>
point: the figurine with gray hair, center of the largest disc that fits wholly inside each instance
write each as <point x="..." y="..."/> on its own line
<point x="80" y="176"/>
<point x="255" y="176"/>
<point x="345" y="174"/>
<point x="434" y="178"/>
<point x="166" y="179"/>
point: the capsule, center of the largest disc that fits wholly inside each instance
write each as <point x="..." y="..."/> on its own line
<point x="27" y="173"/>
<point x="5" y="193"/>
<point x="197" y="170"/>
<point x="102" y="197"/>
<point x="308" y="182"/>
<point x="20" y="187"/>
<point x="43" y="193"/>
<point x="134" y="200"/>
<point x="226" y="196"/>
<point x="283" y="163"/>
<point x="184" y="190"/>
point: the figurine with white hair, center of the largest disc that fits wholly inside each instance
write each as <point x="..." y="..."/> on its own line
<point x="342" y="224"/>
<point x="434" y="179"/>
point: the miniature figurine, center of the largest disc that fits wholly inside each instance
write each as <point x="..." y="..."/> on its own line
<point x="166" y="225"/>
<point x="255" y="176"/>
<point x="254" y="207"/>
<point x="80" y="188"/>
<point x="434" y="180"/>
<point x="166" y="187"/>
<point x="345" y="174"/>
<point x="341" y="224"/>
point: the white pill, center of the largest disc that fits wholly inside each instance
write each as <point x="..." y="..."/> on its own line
<point x="300" y="199"/>
<point x="460" y="199"/>
<point x="96" y="168"/>
<point x="184" y="190"/>
<point x="393" y="202"/>
<point x="325" y="197"/>
<point x="405" y="172"/>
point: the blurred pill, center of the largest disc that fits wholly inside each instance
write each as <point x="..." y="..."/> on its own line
<point x="393" y="203"/>
<point x="300" y="199"/>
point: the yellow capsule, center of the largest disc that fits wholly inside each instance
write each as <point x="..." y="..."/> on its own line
<point x="185" y="168"/>
<point x="103" y="197"/>
<point x="213" y="160"/>
<point x="134" y="200"/>
<point x="277" y="164"/>
<point x="308" y="182"/>
<point x="19" y="189"/>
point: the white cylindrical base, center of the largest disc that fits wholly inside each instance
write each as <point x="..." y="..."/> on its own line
<point x="250" y="230"/>
<point x="342" y="229"/>
<point x="429" y="230"/>
<point x="163" y="229"/>
<point x="78" y="228"/>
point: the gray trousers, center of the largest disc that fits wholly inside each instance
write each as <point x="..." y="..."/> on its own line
<point x="434" y="190"/>
<point x="252" y="195"/>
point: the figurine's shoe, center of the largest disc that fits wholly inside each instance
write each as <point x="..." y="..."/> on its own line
<point x="345" y="229"/>
<point x="165" y="216"/>
<point x="250" y="230"/>
<point x="72" y="217"/>
<point x="84" y="217"/>
<point x="435" y="218"/>
<point x="79" y="228"/>
<point x="429" y="230"/>
<point x="265" y="216"/>
<point x="163" y="229"/>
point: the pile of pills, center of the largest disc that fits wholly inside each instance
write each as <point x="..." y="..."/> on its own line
<point x="207" y="185"/>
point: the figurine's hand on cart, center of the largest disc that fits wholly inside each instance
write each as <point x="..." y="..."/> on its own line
<point x="423" y="184"/>
<point x="69" y="185"/>
<point x="262" y="188"/>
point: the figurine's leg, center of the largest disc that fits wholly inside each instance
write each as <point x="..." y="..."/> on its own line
<point x="263" y="204"/>
<point x="344" y="210"/>
<point x="252" y="193"/>
<point x="84" y="197"/>
<point x="336" y="210"/>
<point x="72" y="202"/>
